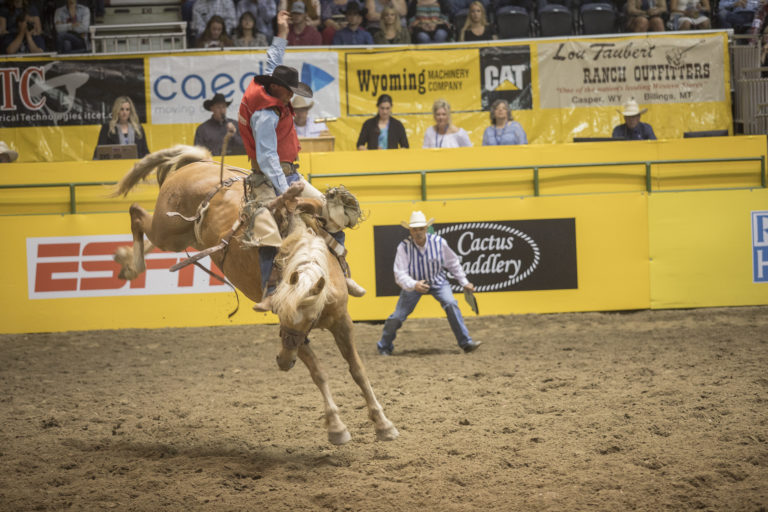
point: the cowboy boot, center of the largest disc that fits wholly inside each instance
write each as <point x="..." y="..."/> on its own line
<point x="265" y="304"/>
<point x="353" y="288"/>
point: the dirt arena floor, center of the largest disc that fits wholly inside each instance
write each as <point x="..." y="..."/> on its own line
<point x="664" y="410"/>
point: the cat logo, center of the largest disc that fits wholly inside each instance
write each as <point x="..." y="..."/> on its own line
<point x="504" y="78"/>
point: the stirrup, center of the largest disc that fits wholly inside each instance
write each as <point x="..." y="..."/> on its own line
<point x="354" y="289"/>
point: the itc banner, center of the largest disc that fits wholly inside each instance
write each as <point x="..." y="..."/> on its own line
<point x="652" y="71"/>
<point x="496" y="256"/>
<point x="67" y="92"/>
<point x="83" y="266"/>
<point x="180" y="84"/>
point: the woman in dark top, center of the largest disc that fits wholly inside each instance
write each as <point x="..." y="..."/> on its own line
<point x="123" y="128"/>
<point x="382" y="131"/>
<point x="476" y="28"/>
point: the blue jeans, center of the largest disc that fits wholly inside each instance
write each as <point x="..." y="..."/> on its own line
<point x="405" y="306"/>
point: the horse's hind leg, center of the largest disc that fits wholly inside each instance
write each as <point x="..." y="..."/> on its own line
<point x="131" y="259"/>
<point x="337" y="430"/>
<point x="342" y="333"/>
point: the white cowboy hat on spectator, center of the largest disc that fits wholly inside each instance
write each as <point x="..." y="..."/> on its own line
<point x="299" y="101"/>
<point x="5" y="150"/>
<point x="418" y="220"/>
<point x="632" y="109"/>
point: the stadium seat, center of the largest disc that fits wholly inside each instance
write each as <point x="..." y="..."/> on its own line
<point x="458" y="22"/>
<point x="513" y="22"/>
<point x="555" y="20"/>
<point x="598" y="18"/>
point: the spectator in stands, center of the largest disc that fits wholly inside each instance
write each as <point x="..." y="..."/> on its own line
<point x="246" y="34"/>
<point x="503" y="130"/>
<point x="429" y="24"/>
<point x="20" y="28"/>
<point x="633" y="128"/>
<point x="214" y="35"/>
<point x="476" y="26"/>
<point x="7" y="155"/>
<point x="444" y="134"/>
<point x="391" y="30"/>
<point x="263" y="11"/>
<point x="382" y="131"/>
<point x="420" y="268"/>
<point x="203" y="10"/>
<point x="374" y="9"/>
<point x="353" y="33"/>
<point x="688" y="15"/>
<point x="455" y="7"/>
<point x="123" y="127"/>
<point x="313" y="10"/>
<point x="72" y="21"/>
<point x="333" y="18"/>
<point x="300" y="33"/>
<point x="305" y="125"/>
<point x="211" y="133"/>
<point x="737" y="14"/>
<point x="646" y="15"/>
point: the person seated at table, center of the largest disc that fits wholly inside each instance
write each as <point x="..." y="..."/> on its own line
<point x="382" y="131"/>
<point x="632" y="128"/>
<point x="305" y="125"/>
<point x="444" y="134"/>
<point x="503" y="130"/>
<point x="123" y="128"/>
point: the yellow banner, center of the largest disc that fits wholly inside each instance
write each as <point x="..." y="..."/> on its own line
<point x="414" y="77"/>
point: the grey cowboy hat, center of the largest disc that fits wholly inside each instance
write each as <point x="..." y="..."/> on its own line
<point x="217" y="98"/>
<point x="287" y="77"/>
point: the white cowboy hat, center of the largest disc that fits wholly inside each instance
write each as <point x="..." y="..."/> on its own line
<point x="299" y="101"/>
<point x="5" y="150"/>
<point x="631" y="109"/>
<point x="418" y="220"/>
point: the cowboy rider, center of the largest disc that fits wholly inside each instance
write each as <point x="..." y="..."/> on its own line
<point x="266" y="127"/>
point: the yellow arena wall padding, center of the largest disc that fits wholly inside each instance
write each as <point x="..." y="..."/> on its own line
<point x="702" y="248"/>
<point x="69" y="283"/>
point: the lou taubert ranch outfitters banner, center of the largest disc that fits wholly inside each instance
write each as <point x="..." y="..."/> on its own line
<point x="50" y="109"/>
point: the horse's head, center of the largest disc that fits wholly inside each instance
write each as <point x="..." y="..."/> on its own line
<point x="303" y="292"/>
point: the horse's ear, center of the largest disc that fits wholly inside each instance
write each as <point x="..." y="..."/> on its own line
<point x="318" y="286"/>
<point x="294" y="278"/>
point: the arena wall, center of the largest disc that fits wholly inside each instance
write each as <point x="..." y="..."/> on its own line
<point x="593" y="239"/>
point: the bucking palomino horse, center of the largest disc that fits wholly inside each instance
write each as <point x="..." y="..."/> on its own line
<point x="200" y="204"/>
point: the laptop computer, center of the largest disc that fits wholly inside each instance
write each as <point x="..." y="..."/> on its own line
<point x="116" y="151"/>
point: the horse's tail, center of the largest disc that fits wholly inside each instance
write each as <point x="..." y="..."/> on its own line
<point x="165" y="161"/>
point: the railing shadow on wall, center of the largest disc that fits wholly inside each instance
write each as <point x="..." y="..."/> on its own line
<point x="651" y="176"/>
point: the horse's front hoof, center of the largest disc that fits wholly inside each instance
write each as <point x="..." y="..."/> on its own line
<point x="387" y="434"/>
<point x="339" y="438"/>
<point x="285" y="365"/>
<point x="127" y="274"/>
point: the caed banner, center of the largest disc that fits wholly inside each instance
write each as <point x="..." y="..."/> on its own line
<point x="496" y="256"/>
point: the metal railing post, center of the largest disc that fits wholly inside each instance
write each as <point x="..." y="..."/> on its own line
<point x="648" y="177"/>
<point x="535" y="181"/>
<point x="762" y="173"/>
<point x="72" y="200"/>
<point x="423" y="185"/>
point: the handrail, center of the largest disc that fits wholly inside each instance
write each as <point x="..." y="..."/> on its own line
<point x="537" y="168"/>
<point x="72" y="189"/>
<point x="423" y="174"/>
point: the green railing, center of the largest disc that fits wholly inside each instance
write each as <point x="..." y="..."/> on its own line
<point x="71" y="186"/>
<point x="424" y="173"/>
<point x="536" y="168"/>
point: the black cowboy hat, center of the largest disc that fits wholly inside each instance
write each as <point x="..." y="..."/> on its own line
<point x="218" y="98"/>
<point x="286" y="76"/>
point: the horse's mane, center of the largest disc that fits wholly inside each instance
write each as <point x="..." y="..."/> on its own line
<point x="165" y="161"/>
<point x="306" y="286"/>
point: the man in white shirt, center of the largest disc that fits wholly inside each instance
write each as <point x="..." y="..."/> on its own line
<point x="420" y="265"/>
<point x="304" y="123"/>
